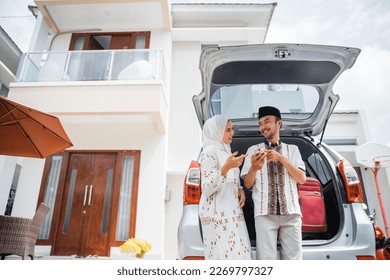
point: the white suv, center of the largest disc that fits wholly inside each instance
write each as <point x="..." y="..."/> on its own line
<point x="298" y="80"/>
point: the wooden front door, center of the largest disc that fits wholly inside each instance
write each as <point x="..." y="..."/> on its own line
<point x="83" y="227"/>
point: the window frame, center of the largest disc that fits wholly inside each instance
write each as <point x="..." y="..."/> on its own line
<point x="89" y="36"/>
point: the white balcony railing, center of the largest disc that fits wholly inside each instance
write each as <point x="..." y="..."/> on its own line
<point x="100" y="65"/>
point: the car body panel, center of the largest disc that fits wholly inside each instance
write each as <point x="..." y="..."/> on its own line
<point x="189" y="232"/>
<point x="352" y="241"/>
<point x="316" y="66"/>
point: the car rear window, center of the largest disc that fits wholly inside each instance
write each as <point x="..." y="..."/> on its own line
<point x="295" y="101"/>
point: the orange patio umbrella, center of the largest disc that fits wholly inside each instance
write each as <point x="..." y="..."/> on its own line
<point x="27" y="132"/>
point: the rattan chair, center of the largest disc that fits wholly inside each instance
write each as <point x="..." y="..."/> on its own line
<point x="19" y="235"/>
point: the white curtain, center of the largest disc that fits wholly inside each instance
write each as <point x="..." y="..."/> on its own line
<point x="123" y="222"/>
<point x="50" y="194"/>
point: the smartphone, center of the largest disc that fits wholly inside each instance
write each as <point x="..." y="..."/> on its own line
<point x="258" y="150"/>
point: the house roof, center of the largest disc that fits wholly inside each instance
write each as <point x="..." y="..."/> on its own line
<point x="108" y="15"/>
<point x="221" y="21"/>
<point x="233" y="14"/>
<point x="120" y="15"/>
<point x="217" y="2"/>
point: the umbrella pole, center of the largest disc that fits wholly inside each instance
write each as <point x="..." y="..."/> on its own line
<point x="375" y="171"/>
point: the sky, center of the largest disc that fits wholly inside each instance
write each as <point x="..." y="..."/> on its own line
<point x="364" y="24"/>
<point x="17" y="21"/>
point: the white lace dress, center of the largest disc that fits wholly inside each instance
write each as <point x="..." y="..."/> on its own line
<point x="225" y="235"/>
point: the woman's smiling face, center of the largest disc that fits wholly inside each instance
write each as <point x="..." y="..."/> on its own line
<point x="229" y="132"/>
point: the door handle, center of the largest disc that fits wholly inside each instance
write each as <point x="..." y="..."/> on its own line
<point x="85" y="194"/>
<point x="90" y="195"/>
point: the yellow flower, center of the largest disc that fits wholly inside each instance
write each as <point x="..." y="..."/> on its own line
<point x="137" y="246"/>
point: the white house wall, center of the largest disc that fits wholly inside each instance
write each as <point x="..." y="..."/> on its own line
<point x="173" y="213"/>
<point x="24" y="205"/>
<point x="184" y="133"/>
<point x="151" y="190"/>
<point x="184" y="128"/>
<point x="28" y="187"/>
<point x="112" y="134"/>
<point x="39" y="38"/>
<point x="163" y="40"/>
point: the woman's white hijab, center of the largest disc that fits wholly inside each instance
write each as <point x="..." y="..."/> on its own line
<point x="213" y="132"/>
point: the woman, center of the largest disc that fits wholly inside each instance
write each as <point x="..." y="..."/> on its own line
<point x="225" y="235"/>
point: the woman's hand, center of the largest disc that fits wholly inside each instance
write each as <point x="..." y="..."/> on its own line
<point x="232" y="162"/>
<point x="241" y="197"/>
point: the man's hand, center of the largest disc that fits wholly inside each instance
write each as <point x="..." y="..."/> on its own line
<point x="257" y="160"/>
<point x="273" y="155"/>
<point x="297" y="174"/>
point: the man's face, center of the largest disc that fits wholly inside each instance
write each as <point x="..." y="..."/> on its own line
<point x="269" y="127"/>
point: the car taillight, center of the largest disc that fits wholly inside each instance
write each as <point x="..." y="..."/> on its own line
<point x="365" y="258"/>
<point x="192" y="189"/>
<point x="351" y="181"/>
<point x="193" y="258"/>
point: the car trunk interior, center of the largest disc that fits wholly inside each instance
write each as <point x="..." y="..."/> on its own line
<point x="316" y="167"/>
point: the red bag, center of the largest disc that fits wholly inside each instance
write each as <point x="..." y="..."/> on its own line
<point x="312" y="206"/>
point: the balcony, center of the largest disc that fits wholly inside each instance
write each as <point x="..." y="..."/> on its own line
<point x="91" y="66"/>
<point x="83" y="86"/>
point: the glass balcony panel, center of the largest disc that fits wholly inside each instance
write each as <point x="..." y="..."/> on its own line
<point x="88" y="66"/>
<point x="42" y="67"/>
<point x="104" y="65"/>
<point x="133" y="65"/>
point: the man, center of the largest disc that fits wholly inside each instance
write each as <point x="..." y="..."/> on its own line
<point x="273" y="170"/>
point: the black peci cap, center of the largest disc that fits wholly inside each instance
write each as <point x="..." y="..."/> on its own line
<point x="269" y="111"/>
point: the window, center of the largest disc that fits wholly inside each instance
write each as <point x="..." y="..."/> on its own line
<point x="50" y="194"/>
<point x="110" y="41"/>
<point x="3" y="89"/>
<point x="125" y="199"/>
<point x="294" y="101"/>
<point x="12" y="191"/>
<point x="94" y="65"/>
<point x="317" y="165"/>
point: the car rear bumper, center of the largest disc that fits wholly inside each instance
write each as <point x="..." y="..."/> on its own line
<point x="355" y="239"/>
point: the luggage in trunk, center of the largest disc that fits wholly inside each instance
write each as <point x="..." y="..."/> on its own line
<point x="312" y="206"/>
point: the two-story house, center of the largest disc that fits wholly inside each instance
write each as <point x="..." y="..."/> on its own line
<point x="120" y="76"/>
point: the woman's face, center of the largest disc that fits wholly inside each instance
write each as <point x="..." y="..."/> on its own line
<point x="229" y="132"/>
